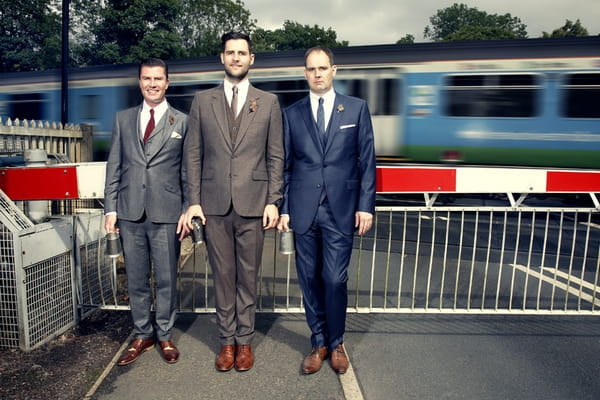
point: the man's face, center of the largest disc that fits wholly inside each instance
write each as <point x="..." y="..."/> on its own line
<point x="319" y="72"/>
<point x="236" y="59"/>
<point x="153" y="84"/>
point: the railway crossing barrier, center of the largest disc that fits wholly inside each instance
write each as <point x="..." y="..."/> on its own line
<point x="445" y="240"/>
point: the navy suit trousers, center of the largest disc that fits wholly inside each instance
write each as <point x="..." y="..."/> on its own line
<point x="322" y="258"/>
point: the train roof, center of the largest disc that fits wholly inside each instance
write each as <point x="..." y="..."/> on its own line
<point x="588" y="46"/>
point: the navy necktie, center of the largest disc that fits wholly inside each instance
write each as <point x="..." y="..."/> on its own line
<point x="321" y="117"/>
<point x="150" y="126"/>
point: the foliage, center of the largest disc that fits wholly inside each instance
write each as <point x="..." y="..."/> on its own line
<point x="459" y="22"/>
<point x="408" y="39"/>
<point x="132" y="30"/>
<point x="294" y="36"/>
<point x="569" y="29"/>
<point x="29" y="35"/>
<point x="202" y="23"/>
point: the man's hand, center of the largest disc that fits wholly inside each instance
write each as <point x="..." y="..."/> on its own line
<point x="110" y="221"/>
<point x="184" y="225"/>
<point x="284" y="223"/>
<point x="270" y="216"/>
<point x="363" y="221"/>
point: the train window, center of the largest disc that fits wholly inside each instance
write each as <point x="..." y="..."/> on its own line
<point x="503" y="96"/>
<point x="26" y="106"/>
<point x="581" y="95"/>
<point x="181" y="96"/>
<point x="388" y="97"/>
<point x="90" y="106"/>
<point x="288" y="92"/>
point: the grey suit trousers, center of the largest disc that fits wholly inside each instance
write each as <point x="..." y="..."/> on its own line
<point x="145" y="241"/>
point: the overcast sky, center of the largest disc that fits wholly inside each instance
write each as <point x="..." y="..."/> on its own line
<point x="385" y="21"/>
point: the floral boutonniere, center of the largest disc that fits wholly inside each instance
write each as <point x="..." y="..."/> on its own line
<point x="253" y="105"/>
<point x="171" y="119"/>
<point x="340" y="108"/>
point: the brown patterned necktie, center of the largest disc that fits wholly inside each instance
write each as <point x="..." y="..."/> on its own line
<point x="234" y="101"/>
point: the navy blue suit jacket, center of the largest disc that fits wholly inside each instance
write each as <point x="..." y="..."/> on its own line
<point x="344" y="166"/>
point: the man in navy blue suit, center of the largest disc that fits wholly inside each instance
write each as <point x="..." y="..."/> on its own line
<point x="329" y="193"/>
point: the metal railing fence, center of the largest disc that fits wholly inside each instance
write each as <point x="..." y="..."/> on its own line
<point x="433" y="259"/>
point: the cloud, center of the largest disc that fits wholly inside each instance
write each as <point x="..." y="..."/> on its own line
<point x="385" y="21"/>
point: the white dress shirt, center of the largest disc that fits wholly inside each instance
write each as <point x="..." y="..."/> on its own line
<point x="242" y="93"/>
<point x="328" y="99"/>
<point x="159" y="111"/>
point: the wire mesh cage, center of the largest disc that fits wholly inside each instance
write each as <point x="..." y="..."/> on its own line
<point x="36" y="278"/>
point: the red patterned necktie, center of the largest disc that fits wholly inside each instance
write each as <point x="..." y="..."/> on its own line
<point x="150" y="126"/>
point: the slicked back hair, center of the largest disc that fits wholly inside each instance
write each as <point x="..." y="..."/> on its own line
<point x="153" y="62"/>
<point x="235" y="35"/>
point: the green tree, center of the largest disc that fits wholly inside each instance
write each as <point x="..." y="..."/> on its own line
<point x="459" y="22"/>
<point x="131" y="30"/>
<point x="30" y="35"/>
<point x="569" y="29"/>
<point x="201" y="24"/>
<point x="295" y="36"/>
<point x="408" y="39"/>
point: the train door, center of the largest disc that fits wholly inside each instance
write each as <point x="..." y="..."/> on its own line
<point x="381" y="88"/>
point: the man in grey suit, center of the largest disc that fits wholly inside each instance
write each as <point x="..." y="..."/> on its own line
<point x="144" y="190"/>
<point x="234" y="158"/>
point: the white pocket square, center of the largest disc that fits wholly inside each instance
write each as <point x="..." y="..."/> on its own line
<point x="347" y="126"/>
<point x="175" y="135"/>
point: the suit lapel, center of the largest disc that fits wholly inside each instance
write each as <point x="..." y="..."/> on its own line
<point x="247" y="116"/>
<point x="218" y="106"/>
<point x="334" y="123"/>
<point x="311" y="126"/>
<point x="134" y="128"/>
<point x="161" y="133"/>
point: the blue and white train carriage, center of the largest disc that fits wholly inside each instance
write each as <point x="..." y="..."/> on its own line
<point x="509" y="102"/>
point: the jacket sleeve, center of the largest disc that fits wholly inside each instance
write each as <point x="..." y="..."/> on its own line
<point x="275" y="154"/>
<point x="113" y="170"/>
<point x="367" y="163"/>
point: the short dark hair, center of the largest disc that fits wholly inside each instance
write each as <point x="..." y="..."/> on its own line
<point x="153" y="62"/>
<point x="324" y="49"/>
<point x="235" y="35"/>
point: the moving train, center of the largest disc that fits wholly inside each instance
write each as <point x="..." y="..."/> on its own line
<point x="532" y="102"/>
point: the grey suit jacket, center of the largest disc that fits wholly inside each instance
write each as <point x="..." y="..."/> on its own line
<point x="247" y="173"/>
<point x="146" y="178"/>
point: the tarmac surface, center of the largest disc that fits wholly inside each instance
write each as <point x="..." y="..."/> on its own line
<point x="393" y="356"/>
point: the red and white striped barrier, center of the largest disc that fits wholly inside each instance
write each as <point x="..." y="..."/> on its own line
<point x="57" y="182"/>
<point x="86" y="181"/>
<point x="409" y="179"/>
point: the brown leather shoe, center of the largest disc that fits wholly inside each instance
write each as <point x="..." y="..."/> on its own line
<point x="339" y="361"/>
<point x="137" y="347"/>
<point x="224" y="361"/>
<point x="244" y="359"/>
<point x="169" y="351"/>
<point x="312" y="362"/>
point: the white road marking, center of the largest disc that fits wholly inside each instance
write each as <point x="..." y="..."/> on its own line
<point x="571" y="289"/>
<point x="350" y="383"/>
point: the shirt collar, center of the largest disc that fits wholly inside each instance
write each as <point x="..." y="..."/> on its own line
<point x="242" y="86"/>
<point x="328" y="98"/>
<point x="159" y="109"/>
